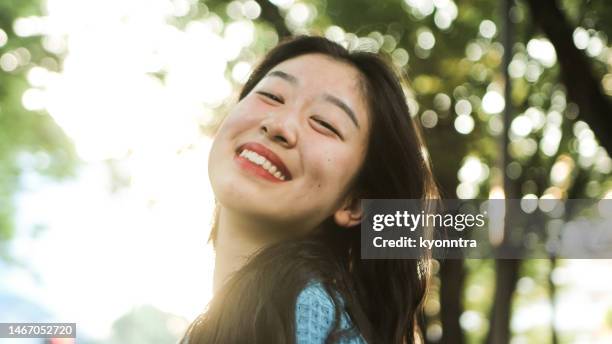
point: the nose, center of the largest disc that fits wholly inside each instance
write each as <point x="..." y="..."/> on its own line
<point x="280" y="129"/>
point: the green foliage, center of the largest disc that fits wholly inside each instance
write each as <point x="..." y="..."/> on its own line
<point x="478" y="295"/>
<point x="29" y="141"/>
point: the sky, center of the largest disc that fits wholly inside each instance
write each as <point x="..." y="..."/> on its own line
<point x="110" y="252"/>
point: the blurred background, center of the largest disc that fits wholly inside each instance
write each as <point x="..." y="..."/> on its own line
<point x="107" y="109"/>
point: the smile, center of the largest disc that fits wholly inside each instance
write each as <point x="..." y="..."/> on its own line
<point x="263" y="162"/>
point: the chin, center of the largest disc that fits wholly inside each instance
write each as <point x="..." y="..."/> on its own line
<point x="237" y="196"/>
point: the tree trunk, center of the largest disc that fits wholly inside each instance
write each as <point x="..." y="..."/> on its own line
<point x="505" y="281"/>
<point x="506" y="270"/>
<point x="452" y="277"/>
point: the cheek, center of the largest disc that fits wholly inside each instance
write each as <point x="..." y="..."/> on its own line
<point x="332" y="169"/>
<point x="237" y="121"/>
<point x="245" y="115"/>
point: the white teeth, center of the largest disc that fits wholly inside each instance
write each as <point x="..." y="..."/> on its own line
<point x="263" y="162"/>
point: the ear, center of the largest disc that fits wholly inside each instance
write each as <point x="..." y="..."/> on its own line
<point x="349" y="213"/>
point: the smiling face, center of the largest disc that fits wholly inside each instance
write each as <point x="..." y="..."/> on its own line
<point x="287" y="152"/>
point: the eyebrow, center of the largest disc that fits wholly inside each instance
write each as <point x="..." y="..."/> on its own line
<point x="342" y="105"/>
<point x="328" y="97"/>
<point x="288" y="77"/>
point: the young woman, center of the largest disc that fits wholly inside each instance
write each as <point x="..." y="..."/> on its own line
<point x="316" y="129"/>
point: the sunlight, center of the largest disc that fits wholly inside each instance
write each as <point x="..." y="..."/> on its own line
<point x="133" y="89"/>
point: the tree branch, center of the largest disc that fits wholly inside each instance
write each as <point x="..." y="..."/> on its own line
<point x="583" y="87"/>
<point x="271" y="14"/>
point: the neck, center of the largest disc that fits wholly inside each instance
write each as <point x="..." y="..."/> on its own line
<point x="237" y="239"/>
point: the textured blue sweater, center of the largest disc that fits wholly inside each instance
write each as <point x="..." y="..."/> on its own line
<point x="314" y="316"/>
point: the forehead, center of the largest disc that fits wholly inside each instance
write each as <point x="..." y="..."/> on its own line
<point x="322" y="70"/>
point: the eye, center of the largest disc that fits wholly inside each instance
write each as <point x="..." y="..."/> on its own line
<point x="328" y="127"/>
<point x="271" y="97"/>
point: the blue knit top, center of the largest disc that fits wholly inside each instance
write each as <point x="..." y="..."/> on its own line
<point x="314" y="316"/>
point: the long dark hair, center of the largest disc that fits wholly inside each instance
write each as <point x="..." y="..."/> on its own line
<point x="382" y="297"/>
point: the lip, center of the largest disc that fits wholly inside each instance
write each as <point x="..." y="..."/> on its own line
<point x="268" y="154"/>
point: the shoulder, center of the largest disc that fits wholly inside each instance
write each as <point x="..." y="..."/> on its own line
<point x="314" y="309"/>
<point x="314" y="316"/>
